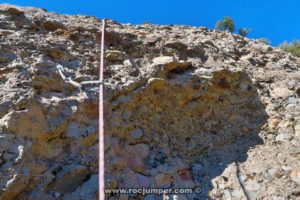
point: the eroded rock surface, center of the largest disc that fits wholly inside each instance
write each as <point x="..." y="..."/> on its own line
<point x="185" y="107"/>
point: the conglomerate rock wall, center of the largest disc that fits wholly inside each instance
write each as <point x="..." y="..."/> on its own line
<point x="185" y="107"/>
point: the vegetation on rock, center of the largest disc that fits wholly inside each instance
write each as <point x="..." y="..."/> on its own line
<point x="226" y="24"/>
<point x="244" y="31"/>
<point x="293" y="47"/>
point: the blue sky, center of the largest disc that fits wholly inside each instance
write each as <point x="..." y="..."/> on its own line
<point x="276" y="20"/>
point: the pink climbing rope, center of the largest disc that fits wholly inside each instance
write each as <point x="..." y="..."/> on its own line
<point x="101" y="120"/>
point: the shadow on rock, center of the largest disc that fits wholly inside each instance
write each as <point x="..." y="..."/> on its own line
<point x="190" y="120"/>
<point x="230" y="145"/>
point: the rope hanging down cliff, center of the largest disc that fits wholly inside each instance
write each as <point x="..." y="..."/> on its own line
<point x="101" y="120"/>
<point x="69" y="80"/>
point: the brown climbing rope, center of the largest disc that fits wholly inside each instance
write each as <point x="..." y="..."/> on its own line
<point x="101" y="120"/>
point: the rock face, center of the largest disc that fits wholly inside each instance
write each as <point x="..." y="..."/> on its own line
<point x="185" y="107"/>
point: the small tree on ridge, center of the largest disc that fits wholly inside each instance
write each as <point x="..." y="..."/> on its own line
<point x="244" y="31"/>
<point x="226" y="24"/>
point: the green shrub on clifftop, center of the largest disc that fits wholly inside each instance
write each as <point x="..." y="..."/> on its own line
<point x="293" y="48"/>
<point x="226" y="24"/>
<point x="244" y="31"/>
